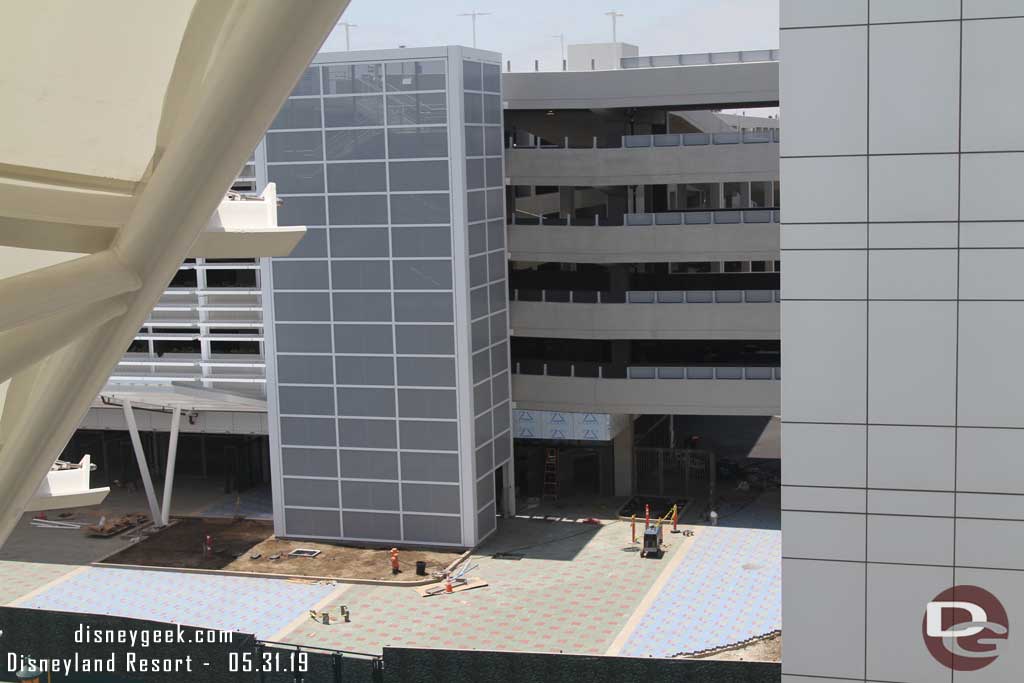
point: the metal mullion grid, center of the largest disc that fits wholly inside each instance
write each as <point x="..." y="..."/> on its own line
<point x="330" y="295"/>
<point x="956" y="343"/>
<point x="394" y="332"/>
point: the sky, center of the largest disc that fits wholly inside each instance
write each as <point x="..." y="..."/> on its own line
<point x="525" y="30"/>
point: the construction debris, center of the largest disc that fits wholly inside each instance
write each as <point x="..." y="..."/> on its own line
<point x="54" y="524"/>
<point x="303" y="552"/>
<point x="118" y="525"/>
<point x="458" y="585"/>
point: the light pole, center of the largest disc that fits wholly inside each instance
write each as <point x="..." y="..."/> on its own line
<point x="348" y="45"/>
<point x="614" y="14"/>
<point x="473" y="16"/>
<point x="561" y="42"/>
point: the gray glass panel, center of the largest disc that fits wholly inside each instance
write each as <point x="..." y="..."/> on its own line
<point x="372" y="525"/>
<point x="499" y="294"/>
<point x="296" y="146"/>
<point x="480" y="336"/>
<point x="360" y="275"/>
<point x="495" y="173"/>
<point x="350" y="112"/>
<point x="426" y="308"/>
<point x="434" y="240"/>
<point x="492" y="77"/>
<point x="369" y="209"/>
<point x="416" y="209"/>
<point x="306" y="400"/>
<point x="310" y="462"/>
<point x="422" y="274"/>
<point x="484" y="457"/>
<point x="474" y="141"/>
<point x="485" y="489"/>
<point x="481" y="366"/>
<point x="430" y="498"/>
<point x="302" y="211"/>
<point x="492" y="109"/>
<point x="500" y="387"/>
<point x="477" y="239"/>
<point x="357" y="307"/>
<point x="426" y="372"/>
<point x="482" y="429"/>
<point x="431" y="529"/>
<point x="425" y="339"/>
<point x="417" y="143"/>
<point x="430" y="466"/>
<point x="429" y="436"/>
<point x="472" y="78"/>
<point x="486" y="520"/>
<point x="300" y="275"/>
<point x="307" y="431"/>
<point x="426" y="75"/>
<point x="312" y="244"/>
<point x="362" y="339"/>
<point x="478" y="302"/>
<point x="352" y="242"/>
<point x="477" y="206"/>
<point x="475" y="174"/>
<point x="474" y="105"/>
<point x="496" y="265"/>
<point x="502" y="449"/>
<point x="477" y="271"/>
<point x="495" y="235"/>
<point x="499" y="357"/>
<point x="361" y="177"/>
<point x="312" y="523"/>
<point x="502" y="415"/>
<point x="495" y="203"/>
<point x="316" y="493"/>
<point x="375" y="370"/>
<point x="304" y="306"/>
<point x="492" y="141"/>
<point x="298" y="114"/>
<point x="304" y="338"/>
<point x="305" y="370"/>
<point x="369" y="495"/>
<point x="481" y="397"/>
<point x="417" y="109"/>
<point x="418" y="175"/>
<point x="366" y="402"/>
<point x="345" y="79"/>
<point x="309" y="82"/>
<point x="353" y="432"/>
<point x="499" y="327"/>
<point x="347" y="145"/>
<point x="437" y="403"/>
<point x="369" y="464"/>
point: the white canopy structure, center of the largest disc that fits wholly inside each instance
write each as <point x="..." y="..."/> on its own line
<point x="123" y="123"/>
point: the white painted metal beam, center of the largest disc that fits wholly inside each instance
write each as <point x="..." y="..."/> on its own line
<point x="172" y="455"/>
<point x="140" y="458"/>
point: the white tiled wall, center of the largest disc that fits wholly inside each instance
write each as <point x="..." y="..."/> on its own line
<point x="903" y="320"/>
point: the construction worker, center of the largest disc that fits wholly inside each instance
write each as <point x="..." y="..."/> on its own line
<point x="394" y="561"/>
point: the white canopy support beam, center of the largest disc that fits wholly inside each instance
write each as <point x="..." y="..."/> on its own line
<point x="39" y="293"/>
<point x="140" y="457"/>
<point x="28" y="344"/>
<point x="172" y="454"/>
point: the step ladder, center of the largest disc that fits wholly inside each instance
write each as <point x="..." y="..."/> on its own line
<point x="550" y="489"/>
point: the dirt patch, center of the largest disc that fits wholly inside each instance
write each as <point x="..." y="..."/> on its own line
<point x="236" y="541"/>
<point x="181" y="544"/>
<point x="765" y="650"/>
<point x="338" y="561"/>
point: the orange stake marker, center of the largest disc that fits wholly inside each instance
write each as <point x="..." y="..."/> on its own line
<point x="448" y="584"/>
<point x="647" y="515"/>
<point x="633" y="528"/>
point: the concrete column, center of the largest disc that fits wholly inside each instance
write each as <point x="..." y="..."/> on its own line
<point x="622" y="448"/>
<point x="566" y="201"/>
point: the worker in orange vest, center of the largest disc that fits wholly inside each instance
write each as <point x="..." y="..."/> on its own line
<point x="394" y="561"/>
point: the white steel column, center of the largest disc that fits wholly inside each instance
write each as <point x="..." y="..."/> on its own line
<point x="140" y="457"/>
<point x="172" y="454"/>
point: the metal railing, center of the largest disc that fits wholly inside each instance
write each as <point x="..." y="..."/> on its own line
<point x="576" y="296"/>
<point x="687" y="217"/>
<point x="648" y="140"/>
<point x="643" y="372"/>
<point x="701" y="58"/>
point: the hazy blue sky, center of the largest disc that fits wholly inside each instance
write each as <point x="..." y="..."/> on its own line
<point x="523" y="30"/>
